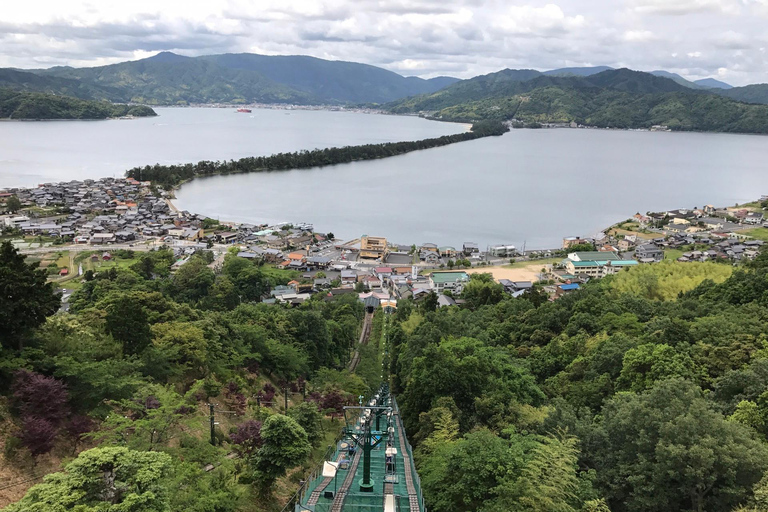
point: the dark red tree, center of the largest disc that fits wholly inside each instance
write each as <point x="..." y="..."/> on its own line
<point x="268" y="392"/>
<point x="247" y="437"/>
<point x="37" y="434"/>
<point x="41" y="397"/>
<point x="333" y="401"/>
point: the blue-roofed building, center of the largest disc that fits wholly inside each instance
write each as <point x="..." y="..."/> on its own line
<point x="566" y="288"/>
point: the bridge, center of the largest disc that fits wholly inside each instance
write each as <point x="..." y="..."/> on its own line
<point x="370" y="468"/>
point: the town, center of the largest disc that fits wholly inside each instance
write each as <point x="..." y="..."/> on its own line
<point x="99" y="217"/>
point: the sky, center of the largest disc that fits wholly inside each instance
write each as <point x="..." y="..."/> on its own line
<point x="724" y="39"/>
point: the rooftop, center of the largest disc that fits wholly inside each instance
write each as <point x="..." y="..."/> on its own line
<point x="449" y="277"/>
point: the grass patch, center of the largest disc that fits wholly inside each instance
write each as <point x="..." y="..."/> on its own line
<point x="756" y="233"/>
<point x="672" y="254"/>
<point x="639" y="234"/>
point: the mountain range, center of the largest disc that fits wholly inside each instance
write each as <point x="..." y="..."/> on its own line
<point x="600" y="96"/>
<point x="171" y="79"/>
<point x="618" y="98"/>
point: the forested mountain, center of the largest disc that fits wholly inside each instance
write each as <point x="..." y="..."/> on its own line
<point x="31" y="82"/>
<point x="167" y="78"/>
<point x="337" y="81"/>
<point x="756" y="93"/>
<point x="617" y="98"/>
<point x="16" y="104"/>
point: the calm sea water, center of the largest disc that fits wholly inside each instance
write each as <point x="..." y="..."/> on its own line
<point x="528" y="186"/>
<point x="39" y="152"/>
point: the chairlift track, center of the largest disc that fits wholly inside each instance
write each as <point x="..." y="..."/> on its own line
<point x="365" y="335"/>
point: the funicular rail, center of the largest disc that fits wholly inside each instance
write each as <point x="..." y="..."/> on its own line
<point x="338" y="499"/>
<point x="413" y="497"/>
<point x="380" y="475"/>
<point x="365" y="334"/>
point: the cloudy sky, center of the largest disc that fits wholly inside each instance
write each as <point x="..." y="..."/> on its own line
<point x="725" y="39"/>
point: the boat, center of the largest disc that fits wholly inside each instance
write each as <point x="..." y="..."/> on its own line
<point x="244" y="110"/>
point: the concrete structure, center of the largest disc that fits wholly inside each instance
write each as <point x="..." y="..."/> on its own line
<point x="373" y="247"/>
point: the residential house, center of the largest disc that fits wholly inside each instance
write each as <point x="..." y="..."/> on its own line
<point x="103" y="238"/>
<point x="570" y="241"/>
<point x="649" y="252"/>
<point x="445" y="301"/>
<point x="562" y="289"/>
<point x="470" y="248"/>
<point x="453" y="281"/>
<point x="348" y="277"/>
<point x="447" y="252"/>
<point x="625" y="244"/>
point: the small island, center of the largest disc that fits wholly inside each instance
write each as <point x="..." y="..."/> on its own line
<point x="22" y="105"/>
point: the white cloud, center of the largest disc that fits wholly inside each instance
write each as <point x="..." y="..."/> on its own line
<point x="545" y="20"/>
<point x="680" y="7"/>
<point x="639" y="36"/>
<point x="421" y="37"/>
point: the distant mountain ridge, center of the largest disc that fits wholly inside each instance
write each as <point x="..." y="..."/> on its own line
<point x="619" y="98"/>
<point x="168" y="79"/>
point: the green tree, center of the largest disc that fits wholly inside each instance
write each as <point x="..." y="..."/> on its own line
<point x="665" y="449"/>
<point x="464" y="475"/>
<point x="26" y="298"/>
<point x="465" y="369"/>
<point x="645" y="365"/>
<point x="147" y="421"/>
<point x="108" y="479"/>
<point x="308" y="416"/>
<point x="284" y="445"/>
<point x="480" y="292"/>
<point x="128" y="323"/>
<point x="548" y="481"/>
<point x="13" y="204"/>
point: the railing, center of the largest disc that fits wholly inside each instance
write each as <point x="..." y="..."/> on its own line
<point x="298" y="496"/>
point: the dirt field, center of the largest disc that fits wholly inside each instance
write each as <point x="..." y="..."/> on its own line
<point x="526" y="273"/>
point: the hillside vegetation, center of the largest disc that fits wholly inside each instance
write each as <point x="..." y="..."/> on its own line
<point x="32" y="105"/>
<point x="617" y="99"/>
<point x="120" y="385"/>
<point x="605" y="400"/>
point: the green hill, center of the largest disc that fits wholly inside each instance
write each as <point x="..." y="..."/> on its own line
<point x="168" y="81"/>
<point x="32" y="82"/>
<point x="756" y="93"/>
<point x="34" y="105"/>
<point x="167" y="78"/>
<point x="617" y="98"/>
<point x="337" y="81"/>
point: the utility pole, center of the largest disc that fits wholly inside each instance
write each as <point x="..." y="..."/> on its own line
<point x="213" y="426"/>
<point x="286" y="397"/>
